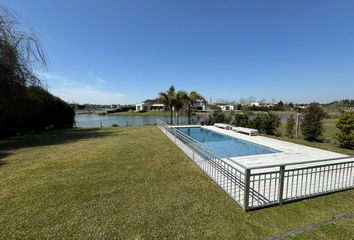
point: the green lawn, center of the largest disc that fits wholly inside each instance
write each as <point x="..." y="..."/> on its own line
<point x="134" y="183"/>
<point x="342" y="229"/>
<point x="329" y="138"/>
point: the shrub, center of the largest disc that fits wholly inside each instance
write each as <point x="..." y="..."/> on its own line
<point x="34" y="110"/>
<point x="290" y="126"/>
<point x="311" y="126"/>
<point x="125" y="108"/>
<point x="242" y="120"/>
<point x="218" y="116"/>
<point x="346" y="126"/>
<point x="257" y="123"/>
<point x="270" y="123"/>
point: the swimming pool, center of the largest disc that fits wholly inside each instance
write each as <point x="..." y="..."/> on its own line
<point x="225" y="145"/>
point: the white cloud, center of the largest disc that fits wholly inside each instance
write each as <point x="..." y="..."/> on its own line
<point x="56" y="80"/>
<point x="100" y="80"/>
<point x="78" y="92"/>
<point x="51" y="77"/>
<point x="88" y="94"/>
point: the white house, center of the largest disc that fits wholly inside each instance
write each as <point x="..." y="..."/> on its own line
<point x="225" y="107"/>
<point x="200" y="105"/>
<point x="254" y="104"/>
<point x="140" y="107"/>
<point x="157" y="106"/>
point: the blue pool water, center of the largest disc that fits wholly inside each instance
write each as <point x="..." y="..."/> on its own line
<point x="225" y="145"/>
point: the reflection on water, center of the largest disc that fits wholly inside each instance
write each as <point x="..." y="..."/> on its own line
<point x="94" y="120"/>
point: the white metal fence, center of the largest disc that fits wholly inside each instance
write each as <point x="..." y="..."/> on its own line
<point x="259" y="187"/>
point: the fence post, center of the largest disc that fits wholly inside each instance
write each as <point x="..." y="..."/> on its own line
<point x="281" y="184"/>
<point x="175" y="135"/>
<point x="297" y="125"/>
<point x="247" y="189"/>
<point x="193" y="148"/>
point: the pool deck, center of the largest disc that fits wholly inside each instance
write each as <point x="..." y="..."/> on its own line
<point x="289" y="152"/>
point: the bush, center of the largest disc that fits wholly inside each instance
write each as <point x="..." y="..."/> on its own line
<point x="270" y="123"/>
<point x="242" y="120"/>
<point x="257" y="122"/>
<point x="218" y="116"/>
<point x="346" y="126"/>
<point x="311" y="126"/>
<point x="126" y="108"/>
<point x="34" y="109"/>
<point x="290" y="126"/>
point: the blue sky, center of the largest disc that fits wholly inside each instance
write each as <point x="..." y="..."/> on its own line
<point x="127" y="51"/>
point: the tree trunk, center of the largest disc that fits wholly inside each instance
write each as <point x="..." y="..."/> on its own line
<point x="177" y="117"/>
<point x="189" y="114"/>
<point x="171" y="115"/>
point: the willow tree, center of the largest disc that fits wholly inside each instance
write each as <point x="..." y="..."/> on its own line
<point x="169" y="99"/>
<point x="21" y="56"/>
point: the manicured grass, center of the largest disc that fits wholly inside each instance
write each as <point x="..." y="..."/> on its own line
<point x="329" y="138"/>
<point x="133" y="183"/>
<point x="342" y="229"/>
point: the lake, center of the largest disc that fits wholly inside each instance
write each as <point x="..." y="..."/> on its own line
<point x="95" y="120"/>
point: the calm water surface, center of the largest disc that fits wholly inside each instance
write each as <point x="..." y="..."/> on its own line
<point x="225" y="145"/>
<point x="95" y="120"/>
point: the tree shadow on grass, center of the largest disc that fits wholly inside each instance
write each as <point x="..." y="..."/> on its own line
<point x="3" y="155"/>
<point x="53" y="137"/>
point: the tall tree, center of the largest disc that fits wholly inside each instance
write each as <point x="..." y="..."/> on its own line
<point x="346" y="126"/>
<point x="189" y="100"/>
<point x="290" y="126"/>
<point x="20" y="54"/>
<point x="25" y="106"/>
<point x="312" y="122"/>
<point x="193" y="97"/>
<point x="169" y="99"/>
<point x="179" y="102"/>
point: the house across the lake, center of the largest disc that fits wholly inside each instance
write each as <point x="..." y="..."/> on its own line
<point x="145" y="106"/>
<point x="141" y="107"/>
<point x="227" y="107"/>
<point x="200" y="105"/>
<point x="157" y="107"/>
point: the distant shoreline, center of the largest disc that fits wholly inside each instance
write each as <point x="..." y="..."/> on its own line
<point x="167" y="113"/>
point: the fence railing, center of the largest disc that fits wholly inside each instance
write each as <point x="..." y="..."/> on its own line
<point x="258" y="187"/>
<point x="290" y="182"/>
<point x="229" y="178"/>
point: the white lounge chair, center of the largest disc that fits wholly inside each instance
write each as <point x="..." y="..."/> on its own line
<point x="223" y="125"/>
<point x="249" y="131"/>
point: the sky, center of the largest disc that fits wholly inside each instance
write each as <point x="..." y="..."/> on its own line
<point x="120" y="52"/>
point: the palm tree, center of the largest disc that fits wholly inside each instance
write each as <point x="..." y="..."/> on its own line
<point x="181" y="101"/>
<point x="189" y="100"/>
<point x="169" y="99"/>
